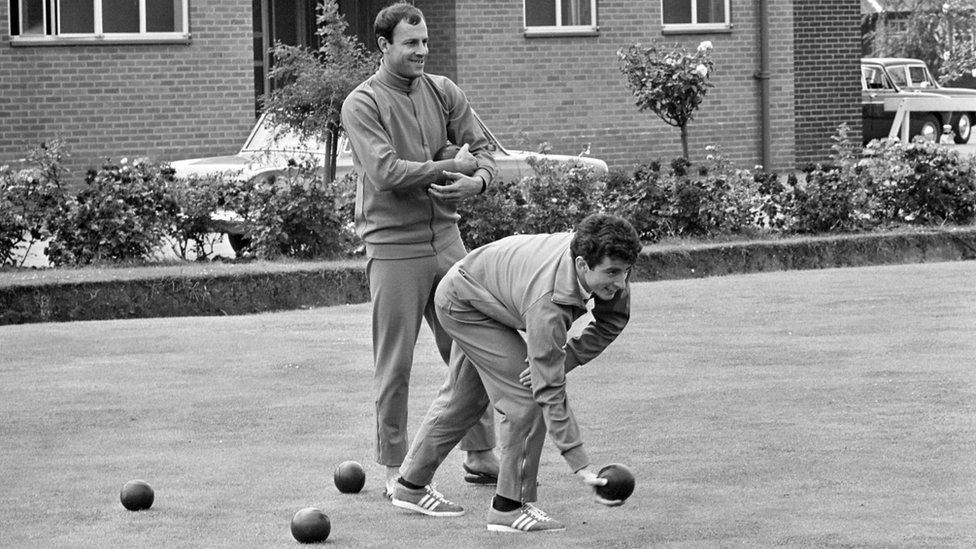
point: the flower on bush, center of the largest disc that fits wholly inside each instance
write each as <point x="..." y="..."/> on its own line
<point x="31" y="199"/>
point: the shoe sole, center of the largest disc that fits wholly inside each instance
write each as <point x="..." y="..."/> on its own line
<point x="510" y="530"/>
<point x="416" y="508"/>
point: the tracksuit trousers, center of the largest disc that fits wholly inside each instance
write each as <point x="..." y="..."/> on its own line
<point x="402" y="292"/>
<point x="485" y="364"/>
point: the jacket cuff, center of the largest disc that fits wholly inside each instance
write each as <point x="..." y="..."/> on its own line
<point x="576" y="458"/>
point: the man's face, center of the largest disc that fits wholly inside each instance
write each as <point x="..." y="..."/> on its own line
<point x="605" y="278"/>
<point x="406" y="53"/>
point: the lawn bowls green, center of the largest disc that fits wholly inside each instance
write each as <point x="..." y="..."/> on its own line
<point x="310" y="525"/>
<point x="620" y="482"/>
<point x="137" y="495"/>
<point x="350" y="477"/>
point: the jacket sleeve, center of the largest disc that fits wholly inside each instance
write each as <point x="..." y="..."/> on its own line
<point x="463" y="127"/>
<point x="546" y="326"/>
<point x="373" y="147"/>
<point x="609" y="319"/>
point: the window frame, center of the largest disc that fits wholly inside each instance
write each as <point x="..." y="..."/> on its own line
<point x="694" y="26"/>
<point x="559" y="29"/>
<point x="98" y="35"/>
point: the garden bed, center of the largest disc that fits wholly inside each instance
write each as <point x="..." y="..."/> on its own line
<point x="56" y="295"/>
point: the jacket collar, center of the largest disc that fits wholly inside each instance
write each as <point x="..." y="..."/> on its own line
<point x="566" y="288"/>
<point x="395" y="81"/>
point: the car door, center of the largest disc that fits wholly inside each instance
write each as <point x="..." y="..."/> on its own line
<point x="875" y="88"/>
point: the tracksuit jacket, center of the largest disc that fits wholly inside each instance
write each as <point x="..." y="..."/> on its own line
<point x="383" y="117"/>
<point x="529" y="283"/>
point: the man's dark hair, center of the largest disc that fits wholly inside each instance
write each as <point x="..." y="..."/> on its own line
<point x="605" y="235"/>
<point x="389" y="17"/>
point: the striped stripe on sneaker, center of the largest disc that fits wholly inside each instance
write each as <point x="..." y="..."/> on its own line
<point x="527" y="518"/>
<point x="425" y="500"/>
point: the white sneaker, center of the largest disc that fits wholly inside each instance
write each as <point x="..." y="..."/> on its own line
<point x="425" y="500"/>
<point x="527" y="518"/>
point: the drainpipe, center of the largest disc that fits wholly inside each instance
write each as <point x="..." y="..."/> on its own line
<point x="763" y="76"/>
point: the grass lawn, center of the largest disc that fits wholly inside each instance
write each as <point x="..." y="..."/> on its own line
<point x="815" y="408"/>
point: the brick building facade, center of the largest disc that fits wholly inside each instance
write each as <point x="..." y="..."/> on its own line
<point x="196" y="98"/>
<point x="162" y="100"/>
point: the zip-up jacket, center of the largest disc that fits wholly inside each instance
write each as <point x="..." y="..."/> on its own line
<point x="395" y="127"/>
<point x="529" y="283"/>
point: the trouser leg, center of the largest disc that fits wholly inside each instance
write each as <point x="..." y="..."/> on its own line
<point x="498" y="353"/>
<point x="400" y="290"/>
<point x="459" y="405"/>
<point x="481" y="436"/>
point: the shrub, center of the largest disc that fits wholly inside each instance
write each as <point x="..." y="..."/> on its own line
<point x="30" y="199"/>
<point x="294" y="213"/>
<point x="559" y="195"/>
<point x="640" y="198"/>
<point x="497" y="213"/>
<point x="122" y="215"/>
<point x="197" y="199"/>
<point x="920" y="183"/>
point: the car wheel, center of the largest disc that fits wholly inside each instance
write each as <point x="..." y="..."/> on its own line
<point x="930" y="129"/>
<point x="964" y="128"/>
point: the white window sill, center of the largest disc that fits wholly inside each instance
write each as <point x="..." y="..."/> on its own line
<point x="548" y="32"/>
<point x="93" y="40"/>
<point x="710" y="28"/>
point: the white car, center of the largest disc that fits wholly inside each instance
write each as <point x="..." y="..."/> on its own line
<point x="266" y="152"/>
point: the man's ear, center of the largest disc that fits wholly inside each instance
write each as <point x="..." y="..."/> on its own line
<point x="383" y="43"/>
<point x="580" y="263"/>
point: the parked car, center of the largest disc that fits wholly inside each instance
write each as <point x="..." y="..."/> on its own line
<point x="267" y="151"/>
<point x="887" y="77"/>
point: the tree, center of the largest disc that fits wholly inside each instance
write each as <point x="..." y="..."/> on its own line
<point x="942" y="33"/>
<point x="311" y="84"/>
<point x="671" y="82"/>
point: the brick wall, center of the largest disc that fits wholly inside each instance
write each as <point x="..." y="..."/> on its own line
<point x="569" y="91"/>
<point x="827" y="74"/>
<point x="162" y="101"/>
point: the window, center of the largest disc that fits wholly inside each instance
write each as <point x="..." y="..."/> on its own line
<point x="59" y="21"/>
<point x="560" y="17"/>
<point x="695" y="15"/>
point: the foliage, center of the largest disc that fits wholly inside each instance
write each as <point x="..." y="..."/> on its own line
<point x="921" y="183"/>
<point x="198" y="200"/>
<point x="940" y="32"/>
<point x="312" y="84"/>
<point x="559" y="195"/>
<point x="497" y="213"/>
<point x="123" y="214"/>
<point x="295" y="212"/>
<point x="670" y="82"/>
<point x="30" y="199"/>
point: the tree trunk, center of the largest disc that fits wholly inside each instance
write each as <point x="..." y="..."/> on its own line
<point x="332" y="150"/>
<point x="684" y="142"/>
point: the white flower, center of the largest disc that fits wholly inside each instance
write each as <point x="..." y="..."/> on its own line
<point x="124" y="161"/>
<point x="945" y="56"/>
<point x="705" y="46"/>
<point x="702" y="70"/>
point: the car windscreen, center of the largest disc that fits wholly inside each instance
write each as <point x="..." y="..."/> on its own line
<point x="873" y="78"/>
<point x="268" y="138"/>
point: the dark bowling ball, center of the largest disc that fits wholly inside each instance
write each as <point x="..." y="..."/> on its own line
<point x="310" y="525"/>
<point x="620" y="485"/>
<point x="350" y="477"/>
<point x="137" y="495"/>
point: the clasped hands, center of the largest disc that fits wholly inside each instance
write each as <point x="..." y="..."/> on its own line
<point x="459" y="184"/>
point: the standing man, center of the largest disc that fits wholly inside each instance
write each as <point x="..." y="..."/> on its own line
<point x="406" y="213"/>
<point x="539" y="285"/>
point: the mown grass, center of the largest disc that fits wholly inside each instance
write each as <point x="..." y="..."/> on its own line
<point x="816" y="408"/>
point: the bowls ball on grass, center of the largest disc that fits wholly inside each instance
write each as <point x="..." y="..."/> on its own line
<point x="310" y="525"/>
<point x="137" y="495"/>
<point x="350" y="477"/>
<point x="620" y="483"/>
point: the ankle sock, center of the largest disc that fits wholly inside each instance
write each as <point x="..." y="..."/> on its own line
<point x="408" y="484"/>
<point x="504" y="504"/>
